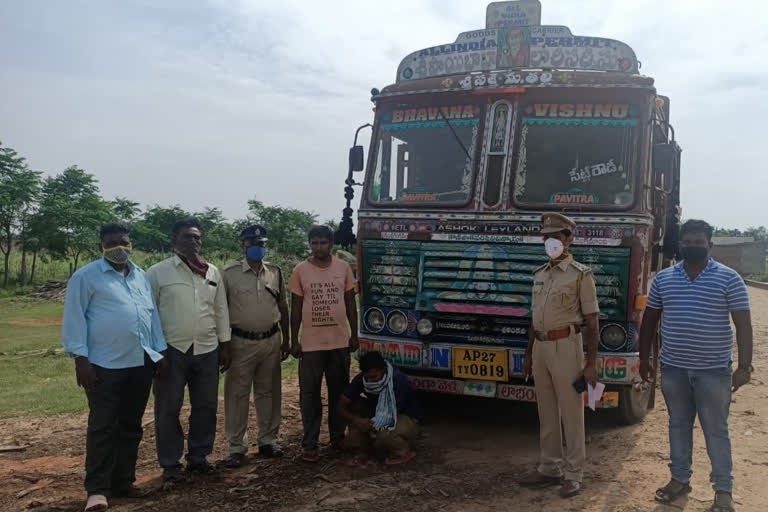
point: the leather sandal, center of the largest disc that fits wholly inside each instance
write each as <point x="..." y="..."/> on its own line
<point x="310" y="456"/>
<point x="672" y="491"/>
<point x="570" y="489"/>
<point x="235" y="460"/>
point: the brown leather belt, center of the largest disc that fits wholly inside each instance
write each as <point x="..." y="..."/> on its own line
<point x="250" y="335"/>
<point x="557" y="334"/>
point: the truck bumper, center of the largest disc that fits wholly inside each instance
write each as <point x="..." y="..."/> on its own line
<point x="429" y="366"/>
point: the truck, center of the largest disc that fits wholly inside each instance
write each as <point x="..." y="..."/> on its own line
<point x="471" y="144"/>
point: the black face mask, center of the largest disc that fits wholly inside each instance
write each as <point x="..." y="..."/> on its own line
<point x="694" y="254"/>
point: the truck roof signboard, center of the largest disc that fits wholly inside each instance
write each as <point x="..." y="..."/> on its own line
<point x="514" y="39"/>
<point x="513" y="14"/>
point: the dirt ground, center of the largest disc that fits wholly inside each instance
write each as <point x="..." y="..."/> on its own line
<point x="468" y="457"/>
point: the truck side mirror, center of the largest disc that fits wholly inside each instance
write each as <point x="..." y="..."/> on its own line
<point x="665" y="161"/>
<point x="356" y="159"/>
<point x="664" y="158"/>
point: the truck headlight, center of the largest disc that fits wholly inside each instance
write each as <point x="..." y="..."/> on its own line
<point x="613" y="336"/>
<point x="397" y="322"/>
<point x="424" y="327"/>
<point x="374" y="320"/>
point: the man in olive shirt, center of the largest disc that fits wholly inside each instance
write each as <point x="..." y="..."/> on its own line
<point x="564" y="298"/>
<point x="258" y="314"/>
<point x="192" y="304"/>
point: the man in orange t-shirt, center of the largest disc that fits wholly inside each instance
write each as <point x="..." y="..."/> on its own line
<point x="322" y="303"/>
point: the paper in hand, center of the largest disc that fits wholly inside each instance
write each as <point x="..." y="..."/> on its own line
<point x="594" y="394"/>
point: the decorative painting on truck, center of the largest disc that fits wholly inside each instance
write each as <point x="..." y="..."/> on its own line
<point x="480" y="279"/>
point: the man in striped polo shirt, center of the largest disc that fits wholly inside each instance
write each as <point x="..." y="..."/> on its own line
<point x="698" y="297"/>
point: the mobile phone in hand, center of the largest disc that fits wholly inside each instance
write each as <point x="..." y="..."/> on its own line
<point x="580" y="384"/>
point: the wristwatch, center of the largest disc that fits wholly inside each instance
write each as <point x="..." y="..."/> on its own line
<point x="748" y="367"/>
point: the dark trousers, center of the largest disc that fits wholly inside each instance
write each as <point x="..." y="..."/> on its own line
<point x="201" y="374"/>
<point x="335" y="365"/>
<point x="114" y="427"/>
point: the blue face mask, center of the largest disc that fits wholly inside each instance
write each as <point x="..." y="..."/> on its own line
<point x="255" y="252"/>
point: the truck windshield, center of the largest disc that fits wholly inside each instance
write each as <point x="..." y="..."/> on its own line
<point x="575" y="162"/>
<point x="420" y="158"/>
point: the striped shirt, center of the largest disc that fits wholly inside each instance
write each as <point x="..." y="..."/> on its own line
<point x="696" y="328"/>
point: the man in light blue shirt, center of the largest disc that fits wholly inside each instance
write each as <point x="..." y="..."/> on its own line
<point x="112" y="329"/>
<point x="696" y="301"/>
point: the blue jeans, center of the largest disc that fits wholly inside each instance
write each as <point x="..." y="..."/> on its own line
<point x="708" y="394"/>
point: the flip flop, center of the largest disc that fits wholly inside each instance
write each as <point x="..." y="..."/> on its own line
<point x="394" y="461"/>
<point x="96" y="502"/>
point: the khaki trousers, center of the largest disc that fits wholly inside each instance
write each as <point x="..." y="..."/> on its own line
<point x="395" y="443"/>
<point x="255" y="364"/>
<point x="556" y="365"/>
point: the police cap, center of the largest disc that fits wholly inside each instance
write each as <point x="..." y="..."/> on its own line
<point x="255" y="232"/>
<point x="554" y="222"/>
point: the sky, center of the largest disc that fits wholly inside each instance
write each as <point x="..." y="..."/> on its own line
<point x="212" y="103"/>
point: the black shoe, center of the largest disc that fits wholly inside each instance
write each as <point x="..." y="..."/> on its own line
<point x="204" y="468"/>
<point x="173" y="474"/>
<point x="235" y="460"/>
<point x="271" y="451"/>
<point x="132" y="492"/>
<point x="172" y="477"/>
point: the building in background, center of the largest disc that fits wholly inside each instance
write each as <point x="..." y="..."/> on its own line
<point x="741" y="253"/>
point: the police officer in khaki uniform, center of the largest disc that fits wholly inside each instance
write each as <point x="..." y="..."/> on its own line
<point x="258" y="313"/>
<point x="564" y="300"/>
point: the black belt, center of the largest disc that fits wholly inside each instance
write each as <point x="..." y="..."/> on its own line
<point x="250" y="335"/>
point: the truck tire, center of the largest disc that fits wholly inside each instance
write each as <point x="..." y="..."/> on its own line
<point x="633" y="405"/>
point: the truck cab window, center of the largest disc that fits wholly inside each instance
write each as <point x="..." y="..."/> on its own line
<point x="422" y="159"/>
<point x="576" y="161"/>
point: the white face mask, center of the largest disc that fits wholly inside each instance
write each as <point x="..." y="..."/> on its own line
<point x="554" y="248"/>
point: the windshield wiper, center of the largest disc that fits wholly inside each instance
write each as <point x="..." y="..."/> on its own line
<point x="458" y="139"/>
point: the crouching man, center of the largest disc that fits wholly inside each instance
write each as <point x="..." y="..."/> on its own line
<point x="382" y="413"/>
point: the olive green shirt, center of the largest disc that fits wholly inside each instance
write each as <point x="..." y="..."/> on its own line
<point x="254" y="299"/>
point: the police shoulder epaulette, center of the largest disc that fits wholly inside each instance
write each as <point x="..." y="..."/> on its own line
<point x="541" y="267"/>
<point x="232" y="264"/>
<point x="275" y="268"/>
<point x="581" y="267"/>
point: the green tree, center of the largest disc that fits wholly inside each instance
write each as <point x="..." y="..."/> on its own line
<point x="727" y="232"/>
<point x="125" y="210"/>
<point x="759" y="234"/>
<point x="19" y="188"/>
<point x="220" y="238"/>
<point x="152" y="232"/>
<point x="287" y="227"/>
<point x="334" y="225"/>
<point x="71" y="212"/>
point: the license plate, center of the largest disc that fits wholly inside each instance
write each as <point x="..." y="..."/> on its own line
<point x="480" y="364"/>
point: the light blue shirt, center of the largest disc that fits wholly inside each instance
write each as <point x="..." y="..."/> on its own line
<point x="110" y="318"/>
<point x="696" y="327"/>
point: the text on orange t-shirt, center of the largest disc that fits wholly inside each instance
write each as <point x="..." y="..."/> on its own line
<point x="324" y="315"/>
